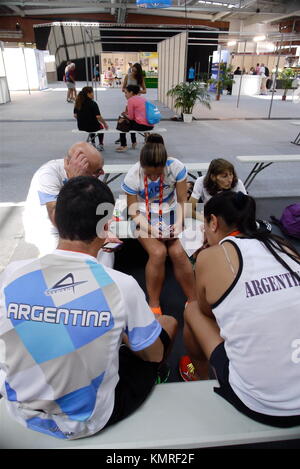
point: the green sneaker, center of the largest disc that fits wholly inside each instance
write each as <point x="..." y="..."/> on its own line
<point x="163" y="373"/>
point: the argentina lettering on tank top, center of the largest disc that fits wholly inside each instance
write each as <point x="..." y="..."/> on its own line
<point x="271" y="284"/>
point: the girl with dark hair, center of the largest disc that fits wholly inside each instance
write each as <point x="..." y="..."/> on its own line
<point x="220" y="176"/>
<point x="136" y="113"/>
<point x="156" y="194"/>
<point x="136" y="78"/>
<point x="88" y="115"/>
<point x="246" y="320"/>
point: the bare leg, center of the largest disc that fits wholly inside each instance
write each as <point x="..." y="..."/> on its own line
<point x="183" y="270"/>
<point x="155" y="268"/>
<point x="201" y="336"/>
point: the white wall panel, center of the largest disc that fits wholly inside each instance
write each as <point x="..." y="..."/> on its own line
<point x="171" y="66"/>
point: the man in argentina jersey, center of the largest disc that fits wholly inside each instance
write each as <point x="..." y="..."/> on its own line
<point x="63" y="318"/>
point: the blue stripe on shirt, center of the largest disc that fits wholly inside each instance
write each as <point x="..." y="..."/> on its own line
<point x="181" y="175"/>
<point x="142" y="337"/>
<point x="128" y="189"/>
<point x="45" y="198"/>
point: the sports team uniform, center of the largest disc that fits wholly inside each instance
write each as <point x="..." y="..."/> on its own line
<point x="61" y="322"/>
<point x="200" y="191"/>
<point x="45" y="186"/>
<point x="134" y="184"/>
<point x="259" y="321"/>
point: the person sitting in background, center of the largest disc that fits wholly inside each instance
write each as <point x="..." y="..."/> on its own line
<point x="156" y="193"/>
<point x="238" y="71"/>
<point x="247" y="315"/>
<point x="135" y="77"/>
<point x="78" y="378"/>
<point x="88" y="116"/>
<point x="220" y="176"/>
<point x="252" y="71"/>
<point x="136" y="113"/>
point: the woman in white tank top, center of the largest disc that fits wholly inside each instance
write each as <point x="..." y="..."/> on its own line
<point x="246" y="321"/>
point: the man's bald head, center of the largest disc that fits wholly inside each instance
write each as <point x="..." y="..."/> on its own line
<point x="85" y="159"/>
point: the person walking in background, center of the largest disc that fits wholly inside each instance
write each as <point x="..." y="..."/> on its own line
<point x="262" y="73"/>
<point x="88" y="115"/>
<point x="135" y="77"/>
<point x="96" y="73"/>
<point x="69" y="78"/>
<point x="191" y="74"/>
<point x="257" y="69"/>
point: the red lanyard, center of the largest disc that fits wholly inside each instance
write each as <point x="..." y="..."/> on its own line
<point x="161" y="191"/>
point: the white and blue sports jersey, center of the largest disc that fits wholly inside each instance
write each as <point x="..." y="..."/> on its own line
<point x="45" y="185"/>
<point x="61" y="322"/>
<point x="133" y="184"/>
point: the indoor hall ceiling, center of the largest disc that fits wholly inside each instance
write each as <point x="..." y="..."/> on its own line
<point x="252" y="11"/>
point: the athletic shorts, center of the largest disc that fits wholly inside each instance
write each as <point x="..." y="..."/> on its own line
<point x="70" y="85"/>
<point x="220" y="363"/>
<point x="137" y="378"/>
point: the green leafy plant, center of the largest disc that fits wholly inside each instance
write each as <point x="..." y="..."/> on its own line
<point x="224" y="79"/>
<point x="187" y="94"/>
<point x="286" y="76"/>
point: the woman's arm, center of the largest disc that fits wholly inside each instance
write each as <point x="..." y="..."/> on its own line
<point x="143" y="89"/>
<point x="195" y="213"/>
<point x="124" y="83"/>
<point x="181" y="193"/>
<point x="102" y="121"/>
<point x="133" y="211"/>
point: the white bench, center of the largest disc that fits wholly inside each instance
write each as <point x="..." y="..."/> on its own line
<point x="263" y="161"/>
<point x="119" y="169"/>
<point x="175" y="415"/>
<point x="156" y="130"/>
<point x="296" y="141"/>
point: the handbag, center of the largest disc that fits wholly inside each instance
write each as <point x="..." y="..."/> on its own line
<point x="123" y="124"/>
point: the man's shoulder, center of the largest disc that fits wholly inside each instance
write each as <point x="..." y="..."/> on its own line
<point x="124" y="281"/>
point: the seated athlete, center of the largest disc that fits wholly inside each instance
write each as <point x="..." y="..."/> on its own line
<point x="246" y="321"/>
<point x="63" y="319"/>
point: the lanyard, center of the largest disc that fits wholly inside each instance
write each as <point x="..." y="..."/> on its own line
<point x="161" y="190"/>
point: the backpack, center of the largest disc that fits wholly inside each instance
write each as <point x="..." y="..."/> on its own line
<point x="152" y="113"/>
<point x="289" y="222"/>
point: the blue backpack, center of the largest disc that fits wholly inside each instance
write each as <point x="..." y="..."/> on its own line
<point x="152" y="113"/>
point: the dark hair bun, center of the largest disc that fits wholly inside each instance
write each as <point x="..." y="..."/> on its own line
<point x="240" y="200"/>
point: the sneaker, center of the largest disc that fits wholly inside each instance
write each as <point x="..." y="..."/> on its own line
<point x="134" y="145"/>
<point x="117" y="142"/>
<point x="187" y="369"/>
<point x="121" y="149"/>
<point x="100" y="147"/>
<point x="163" y="373"/>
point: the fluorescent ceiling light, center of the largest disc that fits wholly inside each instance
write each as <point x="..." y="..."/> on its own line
<point x="259" y="38"/>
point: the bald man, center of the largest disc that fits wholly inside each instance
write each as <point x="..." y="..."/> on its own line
<point x="82" y="160"/>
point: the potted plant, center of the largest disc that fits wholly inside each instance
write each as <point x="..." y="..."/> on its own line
<point x="286" y="76"/>
<point x="186" y="95"/>
<point x="223" y="81"/>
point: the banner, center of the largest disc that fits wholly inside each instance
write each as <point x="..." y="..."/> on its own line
<point x="154" y="4"/>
